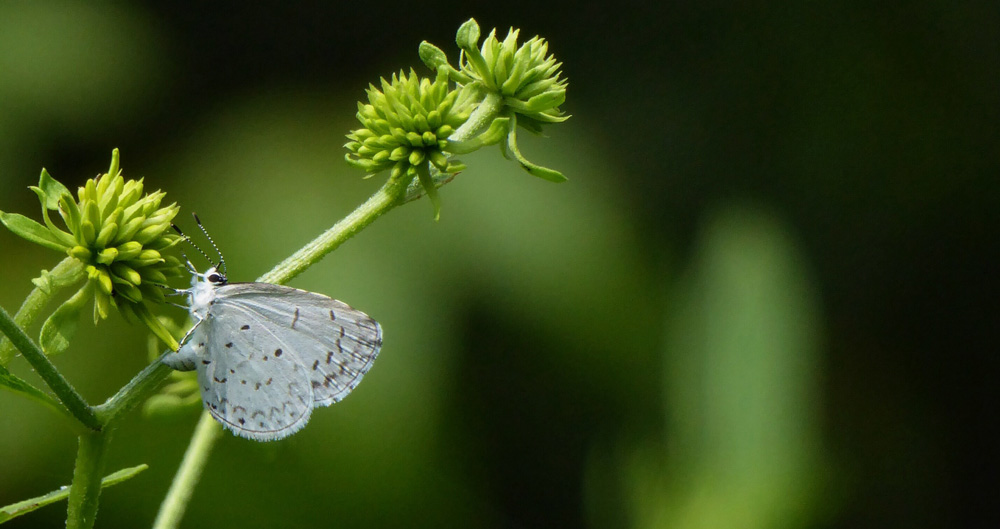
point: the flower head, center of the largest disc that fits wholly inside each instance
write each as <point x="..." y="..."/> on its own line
<point x="526" y="76"/>
<point x="407" y="124"/>
<point x="116" y="231"/>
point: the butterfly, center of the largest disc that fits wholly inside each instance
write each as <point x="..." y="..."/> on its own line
<point x="266" y="354"/>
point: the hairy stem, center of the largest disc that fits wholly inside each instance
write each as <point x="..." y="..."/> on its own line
<point x="45" y="369"/>
<point x="67" y="272"/>
<point x="386" y="198"/>
<point x="86" y="488"/>
<point x="175" y="503"/>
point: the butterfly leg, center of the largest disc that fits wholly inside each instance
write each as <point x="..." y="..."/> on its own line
<point x="186" y="358"/>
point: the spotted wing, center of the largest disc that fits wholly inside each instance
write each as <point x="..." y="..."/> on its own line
<point x="250" y="379"/>
<point x="334" y="343"/>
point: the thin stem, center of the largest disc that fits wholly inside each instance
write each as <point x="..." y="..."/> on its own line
<point x="86" y="488"/>
<point x="387" y="197"/>
<point x="45" y="369"/>
<point x="172" y="509"/>
<point x="67" y="272"/>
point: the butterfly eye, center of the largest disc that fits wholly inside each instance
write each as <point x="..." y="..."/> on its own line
<point x="215" y="278"/>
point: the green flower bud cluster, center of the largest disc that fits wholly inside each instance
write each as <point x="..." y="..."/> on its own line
<point x="406" y="125"/>
<point x="526" y="79"/>
<point x="119" y="234"/>
<point x="526" y="76"/>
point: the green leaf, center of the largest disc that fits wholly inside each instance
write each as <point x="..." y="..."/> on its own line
<point x="432" y="56"/>
<point x="61" y="276"/>
<point x="493" y="135"/>
<point x="17" y="385"/>
<point x="32" y="231"/>
<point x="26" y="506"/>
<point x="59" y="329"/>
<point x="538" y="103"/>
<point x="428" y="184"/>
<point x="468" y="35"/>
<point x="534" y="169"/>
<point x="49" y="191"/>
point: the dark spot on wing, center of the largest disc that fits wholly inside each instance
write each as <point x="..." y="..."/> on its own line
<point x="232" y="371"/>
<point x="268" y="383"/>
<point x="296" y="318"/>
<point x="332" y="317"/>
<point x="257" y="387"/>
<point x="223" y="381"/>
<point x="242" y="420"/>
<point x="230" y="344"/>
<point x="341" y="332"/>
<point x="244" y="382"/>
<point x="315" y="365"/>
<point x="277" y="353"/>
<point x="245" y="327"/>
<point x="206" y="362"/>
<point x="329" y="356"/>
<point x="265" y="358"/>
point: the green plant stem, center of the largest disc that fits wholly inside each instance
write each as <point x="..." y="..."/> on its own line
<point x="208" y="431"/>
<point x="45" y="369"/>
<point x="175" y="503"/>
<point x="386" y="198"/>
<point x="86" y="488"/>
<point x="37" y="299"/>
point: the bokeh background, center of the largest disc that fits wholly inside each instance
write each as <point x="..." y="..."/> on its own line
<point x="766" y="297"/>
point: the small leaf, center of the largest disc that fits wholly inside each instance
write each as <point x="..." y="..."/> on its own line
<point x="428" y="184"/>
<point x="155" y="326"/>
<point x="496" y="133"/>
<point x="49" y="191"/>
<point x="432" y="56"/>
<point x="32" y="231"/>
<point x="26" y="506"/>
<point x="17" y="385"/>
<point x="534" y="169"/>
<point x="59" y="329"/>
<point x="468" y="35"/>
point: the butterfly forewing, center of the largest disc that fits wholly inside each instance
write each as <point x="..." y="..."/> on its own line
<point x="334" y="343"/>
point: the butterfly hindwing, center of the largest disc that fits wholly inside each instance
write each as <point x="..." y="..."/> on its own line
<point x="249" y="376"/>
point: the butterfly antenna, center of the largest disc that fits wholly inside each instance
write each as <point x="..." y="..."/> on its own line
<point x="222" y="260"/>
<point x="190" y="266"/>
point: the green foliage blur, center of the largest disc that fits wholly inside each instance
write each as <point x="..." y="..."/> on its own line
<point x="764" y="298"/>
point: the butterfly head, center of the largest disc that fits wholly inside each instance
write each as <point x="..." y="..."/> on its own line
<point x="215" y="277"/>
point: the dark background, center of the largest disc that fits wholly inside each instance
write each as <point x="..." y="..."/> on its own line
<point x="765" y="297"/>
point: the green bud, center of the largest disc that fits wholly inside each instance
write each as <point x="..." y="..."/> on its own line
<point x="107" y="256"/>
<point x="129" y="250"/>
<point x="104" y="281"/>
<point x="107" y="233"/>
<point x="79" y="252"/>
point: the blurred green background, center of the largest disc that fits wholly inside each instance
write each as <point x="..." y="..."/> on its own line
<point x="765" y="298"/>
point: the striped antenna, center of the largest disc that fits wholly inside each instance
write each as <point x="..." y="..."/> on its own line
<point x="222" y="260"/>
<point x="193" y="245"/>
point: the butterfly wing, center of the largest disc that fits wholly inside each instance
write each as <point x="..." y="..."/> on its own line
<point x="332" y="342"/>
<point x="249" y="378"/>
